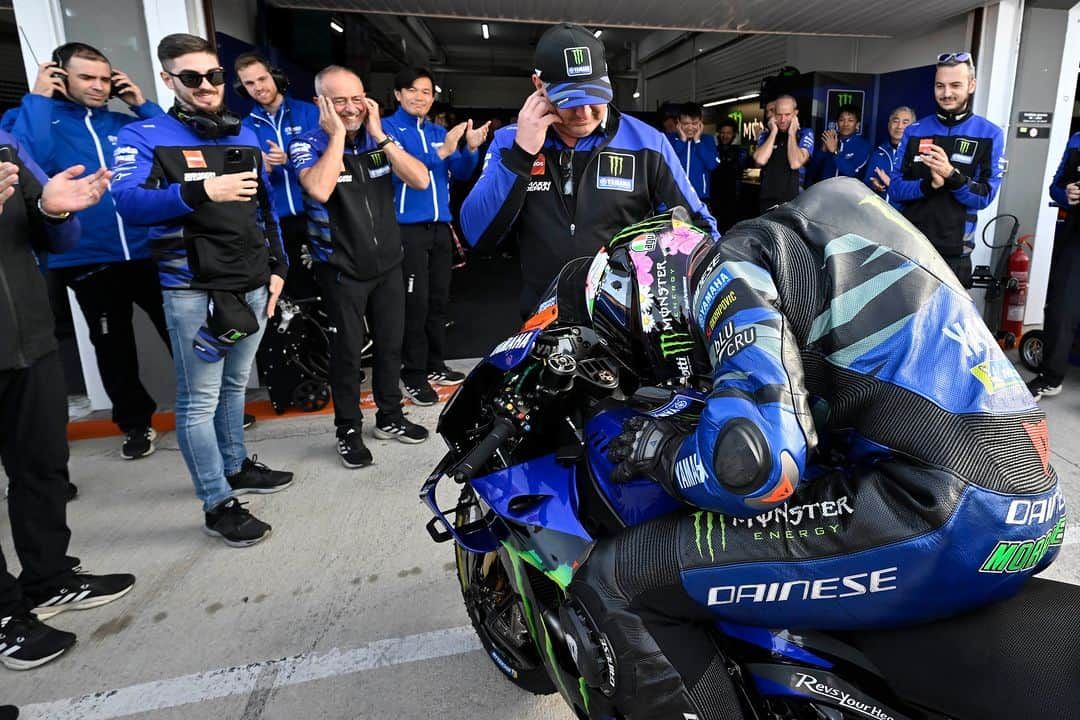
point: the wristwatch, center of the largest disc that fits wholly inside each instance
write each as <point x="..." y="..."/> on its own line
<point x="384" y="142"/>
<point x="55" y="218"/>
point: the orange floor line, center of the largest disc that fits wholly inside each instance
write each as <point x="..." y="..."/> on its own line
<point x="261" y="409"/>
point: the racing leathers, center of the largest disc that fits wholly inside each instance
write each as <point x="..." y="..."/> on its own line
<point x="947" y="215"/>
<point x="899" y="469"/>
<point x="567" y="202"/>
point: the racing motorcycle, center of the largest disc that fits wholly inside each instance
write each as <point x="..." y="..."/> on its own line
<point x="528" y="433"/>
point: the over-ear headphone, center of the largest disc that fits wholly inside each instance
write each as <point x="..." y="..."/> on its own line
<point x="62" y="55"/>
<point x="208" y="126"/>
<point x="281" y="80"/>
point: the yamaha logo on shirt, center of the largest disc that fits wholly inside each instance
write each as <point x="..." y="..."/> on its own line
<point x="964" y="151"/>
<point x="615" y="171"/>
<point x="578" y="61"/>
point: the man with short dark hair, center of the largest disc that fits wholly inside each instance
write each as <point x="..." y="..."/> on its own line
<point x="65" y="121"/>
<point x="345" y="167"/>
<point x="574" y="170"/>
<point x="695" y="149"/>
<point x="196" y="177"/>
<point x="783" y="149"/>
<point x="883" y="158"/>
<point x="36" y="217"/>
<point x="276" y="118"/>
<point x="726" y="180"/>
<point x="426" y="235"/>
<point x="949" y="166"/>
<point x="843" y="151"/>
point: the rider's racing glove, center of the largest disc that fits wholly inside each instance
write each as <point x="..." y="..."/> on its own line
<point x="646" y="447"/>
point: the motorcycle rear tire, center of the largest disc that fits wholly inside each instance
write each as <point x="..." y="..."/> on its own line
<point x="534" y="679"/>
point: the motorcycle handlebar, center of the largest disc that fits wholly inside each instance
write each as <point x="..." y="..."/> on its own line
<point x="483" y="451"/>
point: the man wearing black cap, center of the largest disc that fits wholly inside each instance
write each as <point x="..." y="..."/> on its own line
<point x="574" y="170"/>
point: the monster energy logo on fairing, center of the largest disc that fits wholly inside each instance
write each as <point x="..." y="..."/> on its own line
<point x="705" y="531"/>
<point x="675" y="344"/>
<point x="615" y="164"/>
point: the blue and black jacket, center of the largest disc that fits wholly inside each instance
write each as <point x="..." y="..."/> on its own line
<point x="947" y="215"/>
<point x="292" y="119"/>
<point x="160" y="168"/>
<point x="59" y="134"/>
<point x="422" y="140"/>
<point x="26" y="319"/>
<point x="356" y="230"/>
<point x="849" y="160"/>
<point x="779" y="183"/>
<point x="883" y="157"/>
<point x="1068" y="172"/>
<point x="698" y="159"/>
<point x="621" y="174"/>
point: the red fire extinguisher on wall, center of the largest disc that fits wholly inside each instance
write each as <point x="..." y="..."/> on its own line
<point x="1016" y="287"/>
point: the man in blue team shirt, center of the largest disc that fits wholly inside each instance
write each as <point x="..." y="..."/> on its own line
<point x="949" y="166"/>
<point x="424" y="216"/>
<point x="65" y="121"/>
<point x="277" y="118"/>
<point x="195" y="176"/>
<point x="695" y="149"/>
<point x="843" y="151"/>
<point x="1063" y="294"/>
<point x="883" y="158"/>
<point x="782" y="152"/>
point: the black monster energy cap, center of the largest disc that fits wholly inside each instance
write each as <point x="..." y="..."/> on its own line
<point x="570" y="62"/>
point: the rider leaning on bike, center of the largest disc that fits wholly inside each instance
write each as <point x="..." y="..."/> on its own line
<point x="867" y="456"/>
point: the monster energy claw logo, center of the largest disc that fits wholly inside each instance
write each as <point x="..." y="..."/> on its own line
<point x="845" y="98"/>
<point x="737" y="116"/>
<point x="579" y="55"/>
<point x="578" y="61"/>
<point x="615" y="164"/>
<point x="675" y="344"/>
<point x="965" y="146"/>
<point x="705" y="532"/>
<point x="378" y="159"/>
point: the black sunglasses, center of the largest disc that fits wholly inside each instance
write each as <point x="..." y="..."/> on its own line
<point x="192" y="79"/>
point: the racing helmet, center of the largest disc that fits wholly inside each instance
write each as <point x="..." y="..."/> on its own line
<point x="639" y="299"/>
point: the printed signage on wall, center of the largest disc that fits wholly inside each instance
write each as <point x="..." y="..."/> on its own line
<point x="1026" y="132"/>
<point x="836" y="99"/>
<point x="1028" y="117"/>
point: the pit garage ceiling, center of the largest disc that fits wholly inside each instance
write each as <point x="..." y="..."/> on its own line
<point x="859" y="18"/>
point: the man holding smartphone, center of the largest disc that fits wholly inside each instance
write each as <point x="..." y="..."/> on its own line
<point x="1063" y="294"/>
<point x="949" y="166"/>
<point x="196" y="177"/>
<point x="345" y="168"/>
<point x="65" y="121"/>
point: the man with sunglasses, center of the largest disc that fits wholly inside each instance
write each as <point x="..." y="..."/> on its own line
<point x="949" y="166"/>
<point x="196" y="177"/>
<point x="574" y="170"/>
<point x="65" y="121"/>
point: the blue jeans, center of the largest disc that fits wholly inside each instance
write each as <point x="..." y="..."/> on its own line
<point x="210" y="396"/>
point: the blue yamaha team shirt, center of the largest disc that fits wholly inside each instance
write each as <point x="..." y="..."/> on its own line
<point x="849" y="160"/>
<point x="422" y="140"/>
<point x="292" y="119"/>
<point x="883" y="157"/>
<point x="1068" y="172"/>
<point x="59" y="134"/>
<point x="698" y="159"/>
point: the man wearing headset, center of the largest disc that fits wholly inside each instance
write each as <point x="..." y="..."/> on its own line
<point x="196" y="177"/>
<point x="277" y="118"/>
<point x="65" y="121"/>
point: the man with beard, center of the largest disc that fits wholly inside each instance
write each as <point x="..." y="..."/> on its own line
<point x="426" y="234"/>
<point x="782" y="152"/>
<point x="883" y="158"/>
<point x="195" y="176"/>
<point x="345" y="167"/>
<point x="727" y="177"/>
<point x="949" y="166"/>
<point x="574" y="170"/>
<point x="65" y="120"/>
<point x="276" y="119"/>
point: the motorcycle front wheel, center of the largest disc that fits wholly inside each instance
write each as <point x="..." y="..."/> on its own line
<point x="496" y="611"/>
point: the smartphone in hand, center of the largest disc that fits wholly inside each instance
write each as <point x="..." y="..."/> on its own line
<point x="241" y="159"/>
<point x="118" y="88"/>
<point x="6" y="155"/>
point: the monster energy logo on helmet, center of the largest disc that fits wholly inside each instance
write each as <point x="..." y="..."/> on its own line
<point x="675" y="343"/>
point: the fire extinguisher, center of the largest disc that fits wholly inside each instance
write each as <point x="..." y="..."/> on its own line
<point x="1016" y="286"/>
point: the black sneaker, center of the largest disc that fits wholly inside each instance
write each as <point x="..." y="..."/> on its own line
<point x="254" y="477"/>
<point x="351" y="448"/>
<point x="420" y="394"/>
<point x="83" y="592"/>
<point x="26" y="642"/>
<point x="234" y="524"/>
<point x="138" y="444"/>
<point x="1042" y="387"/>
<point x="249" y="420"/>
<point x="401" y="430"/>
<point x="445" y="377"/>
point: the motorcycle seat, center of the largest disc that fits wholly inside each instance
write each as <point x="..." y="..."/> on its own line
<point x="1014" y="659"/>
